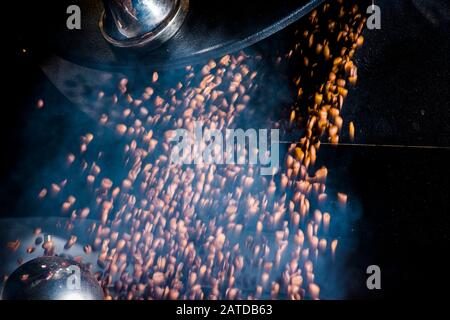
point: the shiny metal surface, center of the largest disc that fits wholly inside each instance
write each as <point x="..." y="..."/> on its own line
<point x="210" y="30"/>
<point x="138" y="23"/>
<point x="50" y="278"/>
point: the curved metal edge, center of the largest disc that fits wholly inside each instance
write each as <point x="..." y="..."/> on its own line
<point x="226" y="48"/>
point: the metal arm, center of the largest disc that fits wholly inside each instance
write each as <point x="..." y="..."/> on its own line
<point x="138" y="23"/>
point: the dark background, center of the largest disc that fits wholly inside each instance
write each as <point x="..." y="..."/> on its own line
<point x="401" y="195"/>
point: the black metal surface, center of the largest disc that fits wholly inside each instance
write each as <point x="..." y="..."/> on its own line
<point x="401" y="193"/>
<point x="212" y="28"/>
<point x="403" y="90"/>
